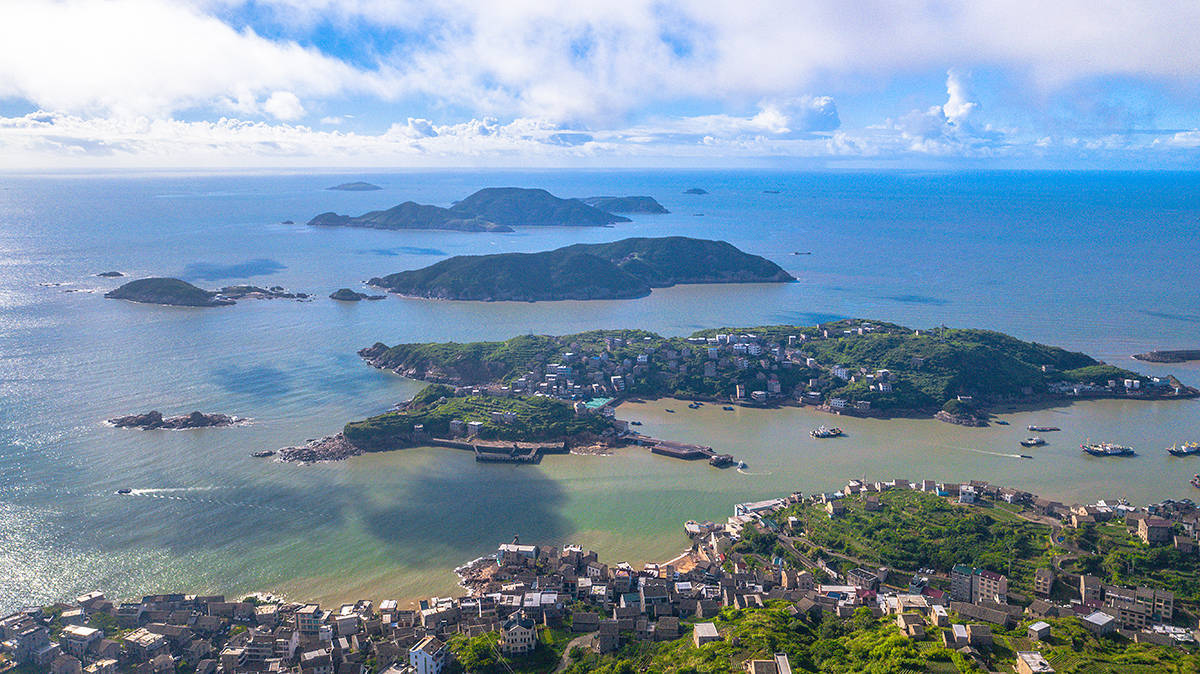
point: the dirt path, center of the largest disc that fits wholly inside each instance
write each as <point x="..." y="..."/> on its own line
<point x="581" y="641"/>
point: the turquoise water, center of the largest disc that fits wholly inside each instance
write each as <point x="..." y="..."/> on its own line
<point x="1100" y="262"/>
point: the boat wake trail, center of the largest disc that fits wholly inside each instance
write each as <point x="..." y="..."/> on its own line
<point x="742" y="471"/>
<point x="173" y="494"/>
<point x="984" y="451"/>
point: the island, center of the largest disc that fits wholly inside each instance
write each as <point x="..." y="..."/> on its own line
<point x="493" y="209"/>
<point x="348" y="295"/>
<point x="623" y="269"/>
<point x="516" y="207"/>
<point x="1178" y="356"/>
<point x="695" y="190"/>
<point x="854" y="366"/>
<point x="168" y="291"/>
<point x="176" y="292"/>
<point x="110" y="274"/>
<point x="411" y="215"/>
<point x="154" y="419"/>
<point x="626" y="204"/>
<point x="357" y="186"/>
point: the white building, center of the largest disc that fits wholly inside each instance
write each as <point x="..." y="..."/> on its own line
<point x="428" y="656"/>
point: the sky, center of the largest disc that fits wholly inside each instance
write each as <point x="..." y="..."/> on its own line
<point x="1095" y="84"/>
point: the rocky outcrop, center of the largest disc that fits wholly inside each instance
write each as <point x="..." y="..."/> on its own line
<point x="168" y="291"/>
<point x="154" y="420"/>
<point x="257" y="293"/>
<point x="1178" y="356"/>
<point x="348" y="295"/>
<point x="960" y="419"/>
<point x="328" y="448"/>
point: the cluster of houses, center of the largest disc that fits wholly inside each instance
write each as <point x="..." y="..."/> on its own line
<point x="611" y="371"/>
<point x="979" y="598"/>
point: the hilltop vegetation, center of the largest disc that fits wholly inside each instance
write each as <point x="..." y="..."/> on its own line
<point x="626" y="204"/>
<point x="534" y="419"/>
<point x="516" y="206"/>
<point x="620" y="270"/>
<point x="410" y="215"/>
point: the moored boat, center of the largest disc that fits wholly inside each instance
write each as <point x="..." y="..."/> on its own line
<point x="824" y="432"/>
<point x="1106" y="449"/>
<point x="1042" y="429"/>
<point x="728" y="408"/>
<point x="1035" y="441"/>
<point x="1186" y="449"/>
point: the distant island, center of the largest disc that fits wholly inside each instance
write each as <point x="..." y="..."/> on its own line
<point x="626" y="204"/>
<point x="695" y="190"/>
<point x="623" y="269"/>
<point x="154" y="420"/>
<point x="355" y="187"/>
<point x="1178" y="356"/>
<point x="348" y="295"/>
<point x="411" y="215"/>
<point x="493" y="209"/>
<point x="110" y="274"/>
<point x="850" y="367"/>
<point x="176" y="292"/>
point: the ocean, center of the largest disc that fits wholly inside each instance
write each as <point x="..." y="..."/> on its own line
<point x="1098" y="262"/>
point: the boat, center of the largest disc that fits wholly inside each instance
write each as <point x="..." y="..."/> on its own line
<point x="693" y="406"/>
<point x="823" y="432"/>
<point x="1186" y="449"/>
<point x="635" y="423"/>
<point x="1000" y="422"/>
<point x="727" y="408"/>
<point x="1042" y="429"/>
<point x="1195" y="481"/>
<point x="1106" y="449"/>
<point x="263" y="453"/>
<point x="1025" y="456"/>
<point x="124" y="490"/>
<point x="1035" y="441"/>
<point x="741" y="464"/>
<point x="670" y="411"/>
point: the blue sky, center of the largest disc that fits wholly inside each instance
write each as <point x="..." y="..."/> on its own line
<point x="802" y="83"/>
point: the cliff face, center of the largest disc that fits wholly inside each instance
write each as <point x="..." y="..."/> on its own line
<point x="620" y="270"/>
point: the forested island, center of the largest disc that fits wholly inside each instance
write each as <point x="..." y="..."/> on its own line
<point x="850" y="366"/>
<point x="1177" y="356"/>
<point x="623" y="269"/>
<point x="357" y="186"/>
<point x="492" y="209"/>
<point x="626" y="205"/>
<point x="177" y="292"/>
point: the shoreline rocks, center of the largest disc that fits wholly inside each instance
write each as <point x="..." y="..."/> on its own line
<point x="1176" y="356"/>
<point x="329" y="448"/>
<point x="154" y="419"/>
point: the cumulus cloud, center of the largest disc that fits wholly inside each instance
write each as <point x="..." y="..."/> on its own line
<point x="284" y="105"/>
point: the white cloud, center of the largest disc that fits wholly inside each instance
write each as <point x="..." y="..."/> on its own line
<point x="957" y="107"/>
<point x="284" y="105"/>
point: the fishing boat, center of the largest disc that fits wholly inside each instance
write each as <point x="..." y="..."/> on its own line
<point x="1106" y="449"/>
<point x="1042" y="429"/>
<point x="669" y="411"/>
<point x="1025" y="456"/>
<point x="1186" y="449"/>
<point x="1035" y="441"/>
<point x="693" y="406"/>
<point x="728" y="408"/>
<point x="124" y="490"/>
<point x="1000" y="422"/>
<point x="823" y="432"/>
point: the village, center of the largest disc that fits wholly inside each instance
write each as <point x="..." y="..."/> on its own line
<point x="758" y="559"/>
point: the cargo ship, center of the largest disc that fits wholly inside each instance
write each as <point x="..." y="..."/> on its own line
<point x="1106" y="449"/>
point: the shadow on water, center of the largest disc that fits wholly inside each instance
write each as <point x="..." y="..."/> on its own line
<point x="917" y="299"/>
<point x="1184" y="318"/>
<point x="400" y="250"/>
<point x="208" y="271"/>
<point x="259" y="380"/>
<point x="458" y="517"/>
<point x="804" y="317"/>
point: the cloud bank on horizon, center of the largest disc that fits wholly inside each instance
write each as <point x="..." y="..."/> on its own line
<point x="95" y="83"/>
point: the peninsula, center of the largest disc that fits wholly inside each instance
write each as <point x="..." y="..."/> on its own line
<point x="848" y="367"/>
<point x="176" y="292"/>
<point x="623" y="269"/>
<point x="1178" y="356"/>
<point x="626" y="205"/>
<point x="357" y="186"/>
<point x="154" y="420"/>
<point x="411" y="215"/>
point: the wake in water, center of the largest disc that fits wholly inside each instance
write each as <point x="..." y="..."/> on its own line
<point x="743" y="471"/>
<point x="172" y="493"/>
<point x="984" y="451"/>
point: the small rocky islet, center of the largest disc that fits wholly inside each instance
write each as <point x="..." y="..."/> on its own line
<point x="356" y="186"/>
<point x="177" y="292"/>
<point x="154" y="419"/>
<point x="348" y="295"/>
